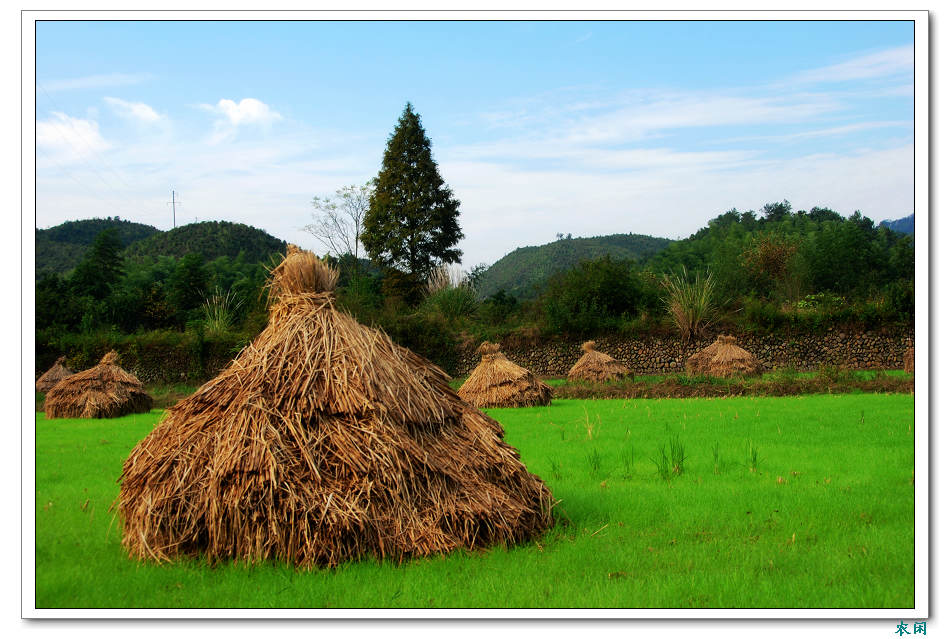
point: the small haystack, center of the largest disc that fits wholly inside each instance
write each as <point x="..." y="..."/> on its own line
<point x="498" y="381"/>
<point x="105" y="390"/>
<point x="53" y="376"/>
<point x="322" y="442"/>
<point x="723" y="358"/>
<point x="594" y="366"/>
<point x="909" y="360"/>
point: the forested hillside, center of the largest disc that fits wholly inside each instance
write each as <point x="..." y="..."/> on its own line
<point x="59" y="249"/>
<point x="210" y="240"/>
<point x="523" y="272"/>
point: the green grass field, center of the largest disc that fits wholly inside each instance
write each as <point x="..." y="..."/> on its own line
<point x="793" y="502"/>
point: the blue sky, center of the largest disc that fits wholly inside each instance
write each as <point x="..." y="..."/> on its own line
<point x="539" y="127"/>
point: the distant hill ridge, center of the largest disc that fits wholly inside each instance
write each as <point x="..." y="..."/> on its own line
<point x="210" y="240"/>
<point x="522" y="272"/>
<point x="60" y="248"/>
<point x="903" y="225"/>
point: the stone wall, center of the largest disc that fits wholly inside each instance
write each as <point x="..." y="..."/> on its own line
<point x="650" y="355"/>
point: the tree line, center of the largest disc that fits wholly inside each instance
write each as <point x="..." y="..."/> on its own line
<point x="395" y="241"/>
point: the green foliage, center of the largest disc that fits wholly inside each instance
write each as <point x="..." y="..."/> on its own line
<point x="498" y="307"/>
<point x="188" y="286"/>
<point x="524" y="272"/>
<point x="690" y="303"/>
<point x="412" y="222"/>
<point x="784" y="255"/>
<point x="59" y="249"/>
<point x="452" y="302"/>
<point x="100" y="268"/>
<point x="219" y="310"/>
<point x="594" y="296"/>
<point x="211" y="240"/>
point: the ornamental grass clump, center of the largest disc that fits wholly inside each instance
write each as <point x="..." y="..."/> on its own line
<point x="594" y="366"/>
<point x="499" y="382"/>
<point x="105" y="390"/>
<point x="56" y="373"/>
<point x="323" y="442"/>
<point x="691" y="304"/>
<point x="909" y="360"/>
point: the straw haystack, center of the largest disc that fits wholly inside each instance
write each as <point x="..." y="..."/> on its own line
<point x="594" y="366"/>
<point x="909" y="360"/>
<point x="105" y="390"/>
<point x="323" y="441"/>
<point x="498" y="381"/>
<point x="723" y="358"/>
<point x="53" y="376"/>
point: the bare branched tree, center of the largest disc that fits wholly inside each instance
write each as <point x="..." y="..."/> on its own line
<point x="338" y="220"/>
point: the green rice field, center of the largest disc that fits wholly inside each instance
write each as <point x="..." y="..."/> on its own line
<point x="761" y="502"/>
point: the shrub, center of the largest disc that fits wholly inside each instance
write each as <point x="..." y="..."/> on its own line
<point x="690" y="303"/>
<point x="594" y="296"/>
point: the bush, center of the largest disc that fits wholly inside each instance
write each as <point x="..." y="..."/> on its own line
<point x="593" y="297"/>
<point x="691" y="304"/>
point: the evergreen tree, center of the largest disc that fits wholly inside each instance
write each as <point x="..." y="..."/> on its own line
<point x="100" y="268"/>
<point x="412" y="222"/>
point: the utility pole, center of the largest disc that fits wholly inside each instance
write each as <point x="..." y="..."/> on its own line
<point x="173" y="208"/>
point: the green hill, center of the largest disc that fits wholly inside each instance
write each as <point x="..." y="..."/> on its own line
<point x="522" y="272"/>
<point x="210" y="240"/>
<point x="60" y="248"/>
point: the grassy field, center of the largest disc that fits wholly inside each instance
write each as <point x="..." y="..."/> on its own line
<point x="794" y="502"/>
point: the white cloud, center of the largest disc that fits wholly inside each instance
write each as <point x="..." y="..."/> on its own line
<point x="879" y="64"/>
<point x="68" y="139"/>
<point x="94" y="81"/>
<point x="133" y="110"/>
<point x="247" y="111"/>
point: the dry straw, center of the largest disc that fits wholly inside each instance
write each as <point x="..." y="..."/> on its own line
<point x="909" y="360"/>
<point x="723" y="358"/>
<point x="594" y="366"/>
<point x="53" y="376"/>
<point x="322" y="442"/>
<point x="105" y="390"/>
<point x="497" y="381"/>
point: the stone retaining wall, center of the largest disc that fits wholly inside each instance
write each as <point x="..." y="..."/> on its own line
<point x="651" y="355"/>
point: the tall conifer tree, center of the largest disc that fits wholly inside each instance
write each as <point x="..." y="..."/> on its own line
<point x="412" y="222"/>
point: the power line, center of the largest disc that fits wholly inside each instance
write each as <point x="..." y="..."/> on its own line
<point x="75" y="179"/>
<point x="91" y="145"/>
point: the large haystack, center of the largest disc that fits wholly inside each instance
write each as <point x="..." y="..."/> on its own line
<point x="323" y="441"/>
<point x="56" y="373"/>
<point x="723" y="358"/>
<point x="594" y="366"/>
<point x="498" y="381"/>
<point x="105" y="390"/>
<point x="909" y="360"/>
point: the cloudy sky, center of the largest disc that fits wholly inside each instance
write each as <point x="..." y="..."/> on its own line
<point x="540" y="128"/>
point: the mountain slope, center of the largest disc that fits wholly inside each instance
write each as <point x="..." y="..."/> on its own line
<point x="522" y="272"/>
<point x="60" y="248"/>
<point x="210" y="240"/>
<point x="903" y="225"/>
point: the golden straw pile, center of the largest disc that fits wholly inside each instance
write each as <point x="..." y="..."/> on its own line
<point x="324" y="441"/>
<point x="723" y="358"/>
<point x="497" y="381"/>
<point x="56" y="373"/>
<point x="594" y="366"/>
<point x="105" y="390"/>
